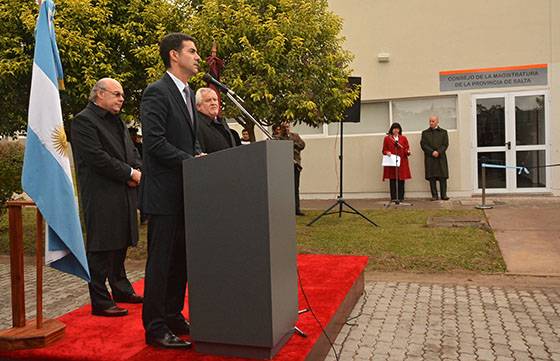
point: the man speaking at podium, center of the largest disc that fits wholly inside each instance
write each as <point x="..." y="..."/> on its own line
<point x="169" y="124"/>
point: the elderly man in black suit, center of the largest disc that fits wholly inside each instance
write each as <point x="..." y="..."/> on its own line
<point x="434" y="143"/>
<point x="213" y="133"/>
<point x="169" y="125"/>
<point x="107" y="166"/>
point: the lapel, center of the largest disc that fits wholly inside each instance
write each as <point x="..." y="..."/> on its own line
<point x="231" y="138"/>
<point x="178" y="98"/>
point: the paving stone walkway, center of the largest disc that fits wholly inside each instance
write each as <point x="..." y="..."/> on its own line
<point x="393" y="320"/>
<point x="62" y="293"/>
<point x="415" y="321"/>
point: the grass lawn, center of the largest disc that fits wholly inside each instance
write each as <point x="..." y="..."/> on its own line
<point x="403" y="242"/>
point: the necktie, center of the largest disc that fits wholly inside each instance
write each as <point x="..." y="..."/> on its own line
<point x="187" y="91"/>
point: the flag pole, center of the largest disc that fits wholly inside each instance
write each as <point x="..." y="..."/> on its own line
<point x="23" y="334"/>
<point x="39" y="257"/>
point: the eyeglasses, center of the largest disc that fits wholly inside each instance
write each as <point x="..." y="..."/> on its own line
<point x="114" y="92"/>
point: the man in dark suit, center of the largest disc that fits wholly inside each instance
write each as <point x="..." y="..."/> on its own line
<point x="213" y="133"/>
<point x="107" y="166"/>
<point x="169" y="124"/>
<point x="434" y="143"/>
<point x="284" y="133"/>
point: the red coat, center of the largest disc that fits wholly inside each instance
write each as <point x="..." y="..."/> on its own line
<point x="403" y="150"/>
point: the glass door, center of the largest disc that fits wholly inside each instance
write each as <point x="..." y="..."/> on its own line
<point x="530" y="138"/>
<point x="511" y="130"/>
<point x="491" y="140"/>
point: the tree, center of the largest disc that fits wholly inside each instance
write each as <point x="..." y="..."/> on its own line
<point x="96" y="38"/>
<point x="284" y="57"/>
<point x="11" y="162"/>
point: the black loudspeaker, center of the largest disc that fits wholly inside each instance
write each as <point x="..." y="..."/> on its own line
<point x="352" y="114"/>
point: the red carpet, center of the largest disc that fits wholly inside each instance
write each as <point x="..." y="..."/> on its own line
<point x="326" y="281"/>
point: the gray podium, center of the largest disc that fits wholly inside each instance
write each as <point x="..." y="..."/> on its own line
<point x="241" y="249"/>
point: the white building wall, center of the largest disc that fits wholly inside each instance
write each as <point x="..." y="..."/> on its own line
<point x="424" y="37"/>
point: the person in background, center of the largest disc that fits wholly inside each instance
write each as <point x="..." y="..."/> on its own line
<point x="108" y="172"/>
<point x="245" y="139"/>
<point x="434" y="143"/>
<point x="276" y="130"/>
<point x="286" y="134"/>
<point x="136" y="136"/>
<point x="396" y="143"/>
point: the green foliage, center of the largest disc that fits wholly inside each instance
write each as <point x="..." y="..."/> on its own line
<point x="11" y="163"/>
<point x="96" y="39"/>
<point x="284" y="57"/>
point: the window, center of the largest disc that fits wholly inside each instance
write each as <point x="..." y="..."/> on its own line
<point x="413" y="114"/>
<point x="377" y="117"/>
<point x="374" y="118"/>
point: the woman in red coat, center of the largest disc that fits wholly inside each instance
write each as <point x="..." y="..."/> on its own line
<point x="396" y="143"/>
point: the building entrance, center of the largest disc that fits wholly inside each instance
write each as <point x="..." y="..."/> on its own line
<point x="511" y="129"/>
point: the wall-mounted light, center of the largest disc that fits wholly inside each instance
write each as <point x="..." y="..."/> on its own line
<point x="383" y="57"/>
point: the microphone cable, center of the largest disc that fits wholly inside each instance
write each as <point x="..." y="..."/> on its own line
<point x="315" y="316"/>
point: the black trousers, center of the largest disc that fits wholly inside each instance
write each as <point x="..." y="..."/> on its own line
<point x="107" y="265"/>
<point x="442" y="187"/>
<point x="393" y="189"/>
<point x="165" y="283"/>
<point x="297" y="173"/>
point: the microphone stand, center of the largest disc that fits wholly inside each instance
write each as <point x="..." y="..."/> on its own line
<point x="236" y="100"/>
<point x="340" y="201"/>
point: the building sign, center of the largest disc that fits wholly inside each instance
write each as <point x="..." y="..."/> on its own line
<point x="512" y="76"/>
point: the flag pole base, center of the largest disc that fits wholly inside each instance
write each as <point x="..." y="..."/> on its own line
<point x="29" y="336"/>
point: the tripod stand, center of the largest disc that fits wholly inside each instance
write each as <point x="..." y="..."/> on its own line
<point x="340" y="202"/>
<point x="397" y="200"/>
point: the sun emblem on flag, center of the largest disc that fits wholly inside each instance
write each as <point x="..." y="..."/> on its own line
<point x="60" y="143"/>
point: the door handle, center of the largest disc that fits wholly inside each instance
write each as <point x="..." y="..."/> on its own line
<point x="508" y="145"/>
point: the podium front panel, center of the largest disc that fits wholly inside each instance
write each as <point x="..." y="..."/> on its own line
<point x="241" y="249"/>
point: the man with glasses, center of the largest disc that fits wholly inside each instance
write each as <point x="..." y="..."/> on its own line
<point x="108" y="172"/>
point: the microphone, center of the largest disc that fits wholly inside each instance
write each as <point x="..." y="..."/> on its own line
<point x="210" y="79"/>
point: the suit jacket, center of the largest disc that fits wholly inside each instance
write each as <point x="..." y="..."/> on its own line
<point x="435" y="139"/>
<point x="402" y="151"/>
<point x="299" y="145"/>
<point x="169" y="137"/>
<point x="213" y="136"/>
<point x="104" y="155"/>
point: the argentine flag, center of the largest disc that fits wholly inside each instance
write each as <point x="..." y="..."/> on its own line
<point x="46" y="177"/>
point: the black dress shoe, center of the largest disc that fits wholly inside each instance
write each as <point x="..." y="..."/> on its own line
<point x="444" y="198"/>
<point x="133" y="298"/>
<point x="113" y="311"/>
<point x="168" y="340"/>
<point x="434" y="198"/>
<point x="180" y="327"/>
<point x="300" y="213"/>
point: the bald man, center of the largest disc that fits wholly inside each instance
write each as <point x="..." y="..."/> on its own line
<point x="434" y="143"/>
<point x="108" y="172"/>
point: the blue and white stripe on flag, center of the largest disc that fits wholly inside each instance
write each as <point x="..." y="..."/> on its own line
<point x="47" y="177"/>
